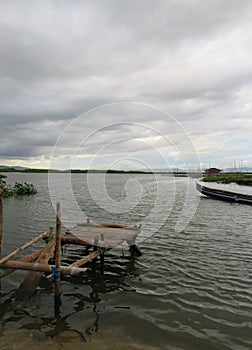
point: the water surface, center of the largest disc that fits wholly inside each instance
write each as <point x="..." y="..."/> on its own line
<point x="191" y="289"/>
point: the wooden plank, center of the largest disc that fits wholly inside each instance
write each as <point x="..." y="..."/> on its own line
<point x="106" y="244"/>
<point x="70" y="239"/>
<point x="15" y="252"/>
<point x="94" y="224"/>
<point x="89" y="241"/>
<point x="20" y="265"/>
<point x="120" y="232"/>
<point x="113" y="236"/>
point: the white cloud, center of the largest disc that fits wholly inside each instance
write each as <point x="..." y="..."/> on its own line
<point x="190" y="58"/>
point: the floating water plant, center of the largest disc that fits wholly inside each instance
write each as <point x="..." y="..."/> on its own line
<point x="18" y="188"/>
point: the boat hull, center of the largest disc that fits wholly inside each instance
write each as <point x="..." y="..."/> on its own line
<point x="224" y="195"/>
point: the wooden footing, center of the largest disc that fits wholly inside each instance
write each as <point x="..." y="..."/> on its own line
<point x="134" y="250"/>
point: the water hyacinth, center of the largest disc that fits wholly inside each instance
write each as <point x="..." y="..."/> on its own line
<point x="18" y="189"/>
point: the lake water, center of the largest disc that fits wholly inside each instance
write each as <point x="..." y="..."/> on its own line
<point x="191" y="288"/>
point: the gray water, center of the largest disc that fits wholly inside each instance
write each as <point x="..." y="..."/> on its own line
<point x="191" y="289"/>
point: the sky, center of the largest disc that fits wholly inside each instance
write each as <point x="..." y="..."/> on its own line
<point x="126" y="84"/>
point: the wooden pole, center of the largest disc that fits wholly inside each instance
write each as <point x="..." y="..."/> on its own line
<point x="15" y="252"/>
<point x="1" y="219"/>
<point x="28" y="258"/>
<point x="66" y="238"/>
<point x="58" y="252"/>
<point x="95" y="248"/>
<point x="102" y="248"/>
<point x="96" y="242"/>
<point x="21" y="265"/>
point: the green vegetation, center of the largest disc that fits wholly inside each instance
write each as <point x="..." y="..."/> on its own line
<point x="9" y="170"/>
<point x="28" y="170"/>
<point x="18" y="189"/>
<point x="239" y="178"/>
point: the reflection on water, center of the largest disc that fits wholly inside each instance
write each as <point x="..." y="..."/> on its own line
<point x="190" y="290"/>
<point x="75" y="315"/>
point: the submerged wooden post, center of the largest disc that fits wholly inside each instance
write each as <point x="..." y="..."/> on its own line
<point x="1" y="219"/>
<point x="102" y="248"/>
<point x="57" y="252"/>
<point x="95" y="248"/>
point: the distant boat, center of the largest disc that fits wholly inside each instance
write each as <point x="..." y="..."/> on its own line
<point x="224" y="195"/>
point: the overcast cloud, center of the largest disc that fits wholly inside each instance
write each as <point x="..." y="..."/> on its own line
<point x="185" y="66"/>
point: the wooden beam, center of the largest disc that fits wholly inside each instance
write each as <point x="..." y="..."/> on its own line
<point x="20" y="265"/>
<point x="15" y="252"/>
<point x="68" y="238"/>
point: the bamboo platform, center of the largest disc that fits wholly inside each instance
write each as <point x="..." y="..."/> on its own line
<point x="104" y="236"/>
<point x="100" y="237"/>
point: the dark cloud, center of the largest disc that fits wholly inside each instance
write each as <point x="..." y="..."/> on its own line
<point x="59" y="59"/>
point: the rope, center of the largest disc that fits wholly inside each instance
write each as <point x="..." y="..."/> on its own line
<point x="47" y="239"/>
<point x="55" y="273"/>
<point x="104" y="249"/>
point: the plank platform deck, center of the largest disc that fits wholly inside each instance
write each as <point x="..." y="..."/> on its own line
<point x="104" y="235"/>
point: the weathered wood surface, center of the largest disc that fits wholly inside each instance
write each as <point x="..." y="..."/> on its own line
<point x="108" y="236"/>
<point x="65" y="270"/>
<point x="15" y="252"/>
<point x="70" y="239"/>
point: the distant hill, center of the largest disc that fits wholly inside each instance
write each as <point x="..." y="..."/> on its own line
<point x="13" y="167"/>
<point x="4" y="168"/>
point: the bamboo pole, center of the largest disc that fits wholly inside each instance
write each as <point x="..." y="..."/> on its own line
<point x="86" y="259"/>
<point x="82" y="261"/>
<point x="1" y="219"/>
<point x="29" y="284"/>
<point x="57" y="252"/>
<point x="28" y="258"/>
<point x="20" y="265"/>
<point x="15" y="252"/>
<point x="66" y="238"/>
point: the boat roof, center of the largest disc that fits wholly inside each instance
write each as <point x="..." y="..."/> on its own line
<point x="232" y="187"/>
